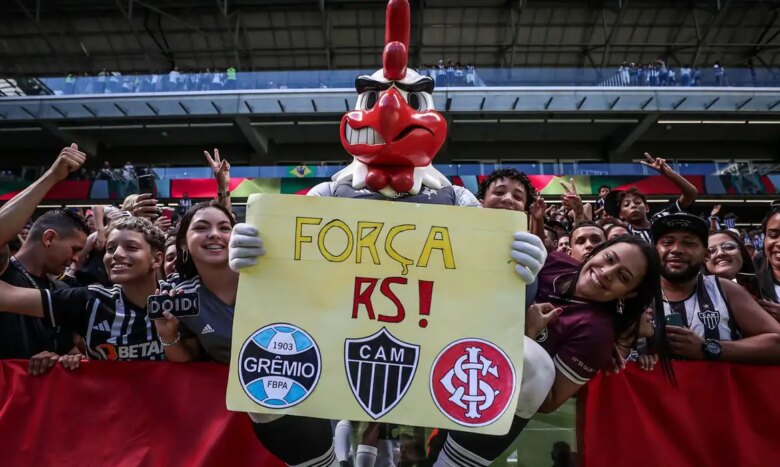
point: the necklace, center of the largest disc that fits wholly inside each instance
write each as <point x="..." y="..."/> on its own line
<point x="15" y="262"/>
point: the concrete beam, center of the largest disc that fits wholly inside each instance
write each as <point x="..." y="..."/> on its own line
<point x="622" y="145"/>
<point x="86" y="144"/>
<point x="255" y="138"/>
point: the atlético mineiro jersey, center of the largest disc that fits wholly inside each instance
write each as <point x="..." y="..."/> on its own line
<point x="112" y="327"/>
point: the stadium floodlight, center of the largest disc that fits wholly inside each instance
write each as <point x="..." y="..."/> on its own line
<point x="723" y="122"/>
<point x="478" y="120"/>
<point x="679" y="122"/>
<point x="763" y="122"/>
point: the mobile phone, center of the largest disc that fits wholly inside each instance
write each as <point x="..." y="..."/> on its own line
<point x="168" y="212"/>
<point x="674" y="319"/>
<point x="185" y="304"/>
<point x="749" y="282"/>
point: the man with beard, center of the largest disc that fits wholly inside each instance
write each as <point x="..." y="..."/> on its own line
<point x="704" y="324"/>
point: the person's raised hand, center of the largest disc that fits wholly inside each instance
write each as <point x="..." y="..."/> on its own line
<point x="570" y="198"/>
<point x="658" y="164"/>
<point x="144" y="206"/>
<point x="538" y="208"/>
<point x="715" y="210"/>
<point x="220" y="168"/>
<point x="163" y="223"/>
<point x="245" y="247"/>
<point x="68" y="161"/>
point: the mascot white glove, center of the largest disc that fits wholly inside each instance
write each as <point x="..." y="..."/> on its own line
<point x="245" y="247"/>
<point x="528" y="252"/>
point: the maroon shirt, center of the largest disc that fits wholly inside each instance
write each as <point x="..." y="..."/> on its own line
<point x="581" y="340"/>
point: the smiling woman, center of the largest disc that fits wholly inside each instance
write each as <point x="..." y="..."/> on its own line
<point x="727" y="256"/>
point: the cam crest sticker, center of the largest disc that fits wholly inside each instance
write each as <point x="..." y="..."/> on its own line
<point x="472" y="382"/>
<point x="380" y="369"/>
<point x="279" y="366"/>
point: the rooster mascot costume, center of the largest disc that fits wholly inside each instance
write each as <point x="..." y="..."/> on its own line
<point x="393" y="135"/>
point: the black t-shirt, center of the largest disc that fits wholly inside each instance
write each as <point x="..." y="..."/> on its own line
<point x="93" y="271"/>
<point x="24" y="336"/>
<point x="112" y="327"/>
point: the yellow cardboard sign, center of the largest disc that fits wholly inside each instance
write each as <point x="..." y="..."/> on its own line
<point x="380" y="311"/>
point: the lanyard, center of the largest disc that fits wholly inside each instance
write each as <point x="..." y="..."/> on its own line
<point x="15" y="262"/>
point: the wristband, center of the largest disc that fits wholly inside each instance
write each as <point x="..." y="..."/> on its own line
<point x="223" y="194"/>
<point x="175" y="341"/>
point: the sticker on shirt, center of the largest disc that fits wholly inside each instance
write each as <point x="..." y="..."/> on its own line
<point x="472" y="382"/>
<point x="380" y="369"/>
<point x="279" y="366"/>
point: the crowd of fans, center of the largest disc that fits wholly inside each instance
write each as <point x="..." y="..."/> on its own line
<point x="659" y="73"/>
<point x="449" y="73"/>
<point x="111" y="82"/>
<point x="638" y="288"/>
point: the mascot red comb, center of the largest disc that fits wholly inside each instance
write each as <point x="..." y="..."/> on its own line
<point x="394" y="131"/>
<point x="394" y="134"/>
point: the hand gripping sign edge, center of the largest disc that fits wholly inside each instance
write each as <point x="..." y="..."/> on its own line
<point x="394" y="360"/>
<point x="288" y="362"/>
<point x="481" y="395"/>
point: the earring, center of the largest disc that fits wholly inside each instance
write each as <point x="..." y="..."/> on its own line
<point x="185" y="256"/>
<point x="620" y="307"/>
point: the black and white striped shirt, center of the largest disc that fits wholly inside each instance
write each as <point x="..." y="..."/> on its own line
<point x="645" y="234"/>
<point x="112" y="327"/>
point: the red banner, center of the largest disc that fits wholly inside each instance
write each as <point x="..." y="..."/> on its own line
<point x="719" y="414"/>
<point x="123" y="414"/>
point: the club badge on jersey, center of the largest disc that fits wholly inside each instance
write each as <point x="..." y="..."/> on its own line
<point x="394" y="131"/>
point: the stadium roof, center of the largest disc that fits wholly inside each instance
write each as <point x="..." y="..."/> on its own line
<point x="55" y="38"/>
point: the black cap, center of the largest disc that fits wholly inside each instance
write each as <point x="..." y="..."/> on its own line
<point x="664" y="222"/>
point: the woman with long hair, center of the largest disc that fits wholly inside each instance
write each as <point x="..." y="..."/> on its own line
<point x="202" y="265"/>
<point x="727" y="255"/>
<point x="768" y="264"/>
<point x="579" y="311"/>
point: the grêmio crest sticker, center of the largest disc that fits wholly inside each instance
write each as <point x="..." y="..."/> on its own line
<point x="279" y="366"/>
<point x="380" y="369"/>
